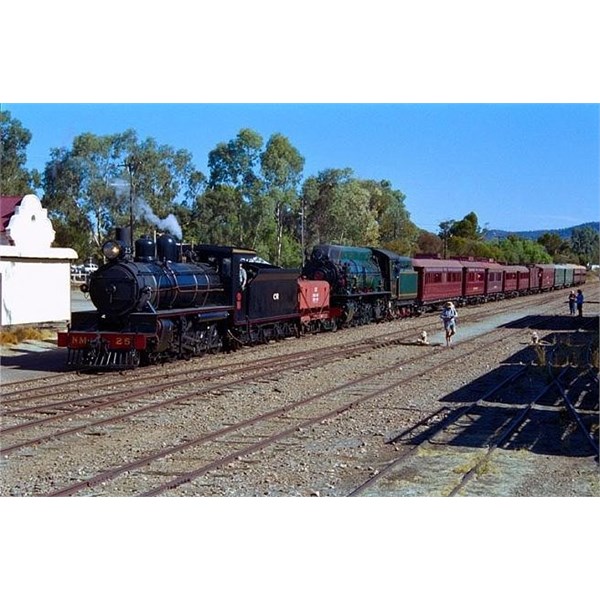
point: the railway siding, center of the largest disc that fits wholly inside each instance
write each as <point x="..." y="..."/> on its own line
<point x="334" y="455"/>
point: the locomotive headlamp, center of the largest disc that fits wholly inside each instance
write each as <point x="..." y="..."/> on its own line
<point x="111" y="250"/>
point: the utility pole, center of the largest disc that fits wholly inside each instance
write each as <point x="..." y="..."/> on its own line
<point x="132" y="165"/>
<point x="302" y="227"/>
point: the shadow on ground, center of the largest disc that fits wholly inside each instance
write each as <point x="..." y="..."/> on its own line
<point x="569" y="353"/>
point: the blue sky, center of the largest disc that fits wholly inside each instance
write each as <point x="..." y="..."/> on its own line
<point x="517" y="166"/>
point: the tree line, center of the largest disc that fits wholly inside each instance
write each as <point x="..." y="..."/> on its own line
<point x="254" y="195"/>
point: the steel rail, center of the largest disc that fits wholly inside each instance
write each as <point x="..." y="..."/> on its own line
<point x="451" y="415"/>
<point x="573" y="411"/>
<point x="188" y="477"/>
<point x="379" y="391"/>
<point x="117" y="378"/>
<point x="511" y="427"/>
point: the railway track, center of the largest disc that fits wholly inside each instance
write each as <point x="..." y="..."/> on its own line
<point x="418" y="446"/>
<point x="47" y="386"/>
<point x="165" y="468"/>
<point x="78" y="397"/>
<point x="264" y="430"/>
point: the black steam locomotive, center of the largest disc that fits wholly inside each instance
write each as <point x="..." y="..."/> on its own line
<point x="157" y="304"/>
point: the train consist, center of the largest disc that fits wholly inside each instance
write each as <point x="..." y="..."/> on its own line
<point x="158" y="303"/>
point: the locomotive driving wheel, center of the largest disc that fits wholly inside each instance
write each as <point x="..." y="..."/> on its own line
<point x="214" y="340"/>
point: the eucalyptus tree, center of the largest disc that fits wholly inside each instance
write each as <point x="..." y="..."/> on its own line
<point x="233" y="167"/>
<point x="165" y="182"/>
<point x="77" y="185"/>
<point x="98" y="161"/>
<point x="343" y="209"/>
<point x="445" y="234"/>
<point x="215" y="217"/>
<point x="428" y="243"/>
<point x="320" y="198"/>
<point x="467" y="227"/>
<point x="109" y="179"/>
<point x="353" y="219"/>
<point x="515" y="250"/>
<point x="15" y="178"/>
<point x="464" y="237"/>
<point x="585" y="245"/>
<point x="61" y="182"/>
<point x="554" y="244"/>
<point x="281" y="168"/>
<point x="396" y="231"/>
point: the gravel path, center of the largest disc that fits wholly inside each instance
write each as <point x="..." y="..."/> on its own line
<point x="335" y="456"/>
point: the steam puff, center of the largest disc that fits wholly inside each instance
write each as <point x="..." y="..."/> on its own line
<point x="169" y="223"/>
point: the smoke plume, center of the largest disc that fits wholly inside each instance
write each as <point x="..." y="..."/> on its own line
<point x="169" y="223"/>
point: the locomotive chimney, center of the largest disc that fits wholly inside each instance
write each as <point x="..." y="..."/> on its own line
<point x="123" y="235"/>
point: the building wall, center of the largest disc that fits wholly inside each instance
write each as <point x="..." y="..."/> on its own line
<point x="35" y="279"/>
<point x="34" y="290"/>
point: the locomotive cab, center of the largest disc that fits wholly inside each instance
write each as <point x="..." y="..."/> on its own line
<point x="264" y="296"/>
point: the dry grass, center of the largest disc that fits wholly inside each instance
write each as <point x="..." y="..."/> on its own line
<point x="10" y="336"/>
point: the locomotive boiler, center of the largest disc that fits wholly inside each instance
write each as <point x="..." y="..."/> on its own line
<point x="367" y="284"/>
<point x="150" y="306"/>
<point x="348" y="270"/>
<point x="357" y="287"/>
<point x="153" y="281"/>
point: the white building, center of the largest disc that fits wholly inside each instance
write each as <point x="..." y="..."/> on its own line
<point x="35" y="279"/>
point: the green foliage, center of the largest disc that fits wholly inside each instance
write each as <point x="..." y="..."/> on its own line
<point x="216" y="217"/>
<point x="553" y="244"/>
<point x="342" y="209"/>
<point x="235" y="163"/>
<point x="515" y="250"/>
<point x="460" y="246"/>
<point x="281" y="168"/>
<point x="14" y="139"/>
<point x="429" y="243"/>
<point x="585" y="245"/>
<point x="396" y="231"/>
<point x="467" y="228"/>
<point x="94" y="186"/>
<point x="465" y="238"/>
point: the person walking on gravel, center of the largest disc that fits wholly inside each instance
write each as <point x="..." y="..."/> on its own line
<point x="448" y="317"/>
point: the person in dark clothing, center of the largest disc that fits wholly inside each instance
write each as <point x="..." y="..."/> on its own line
<point x="579" y="301"/>
<point x="572" y="302"/>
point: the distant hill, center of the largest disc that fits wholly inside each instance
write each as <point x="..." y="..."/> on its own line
<point x="498" y="234"/>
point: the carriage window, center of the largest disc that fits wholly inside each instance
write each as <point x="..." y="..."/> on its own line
<point x="435" y="277"/>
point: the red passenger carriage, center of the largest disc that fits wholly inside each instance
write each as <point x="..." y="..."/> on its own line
<point x="544" y="276"/>
<point x="578" y="275"/>
<point x="482" y="280"/>
<point x="516" y="280"/>
<point x="439" y="280"/>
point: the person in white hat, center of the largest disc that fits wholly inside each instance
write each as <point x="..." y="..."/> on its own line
<point x="448" y="317"/>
